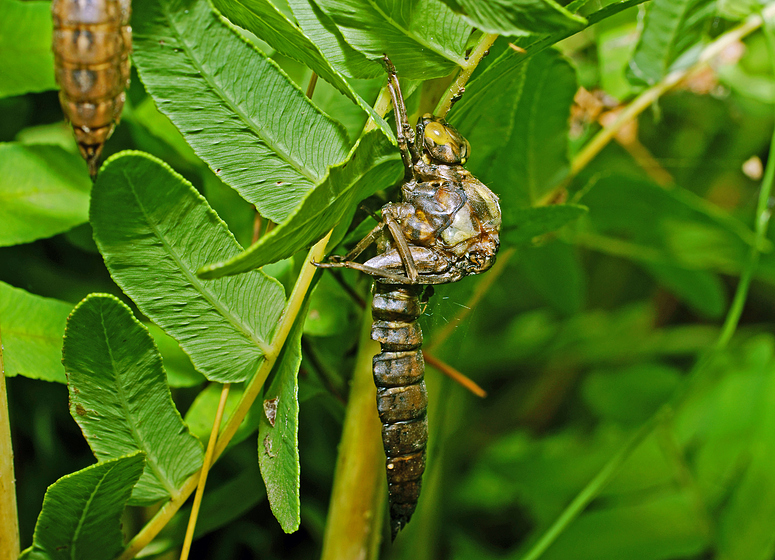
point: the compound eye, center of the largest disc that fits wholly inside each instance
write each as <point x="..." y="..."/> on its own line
<point x="445" y="144"/>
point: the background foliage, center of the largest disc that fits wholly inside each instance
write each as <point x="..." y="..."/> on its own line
<point x="621" y="420"/>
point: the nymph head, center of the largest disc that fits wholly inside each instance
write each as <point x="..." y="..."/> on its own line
<point x="442" y="142"/>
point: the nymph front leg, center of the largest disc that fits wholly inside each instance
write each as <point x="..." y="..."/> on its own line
<point x="404" y="131"/>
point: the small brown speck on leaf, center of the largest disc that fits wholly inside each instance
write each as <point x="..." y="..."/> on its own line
<point x="80" y="410"/>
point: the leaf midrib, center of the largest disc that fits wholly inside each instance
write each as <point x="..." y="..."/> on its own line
<point x="84" y="511"/>
<point x="195" y="281"/>
<point x="221" y="93"/>
<point x="151" y="459"/>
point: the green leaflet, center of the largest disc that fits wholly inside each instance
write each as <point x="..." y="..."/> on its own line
<point x="701" y="290"/>
<point x="27" y="63"/>
<point x="659" y="527"/>
<point x="271" y="25"/>
<point x="520" y="143"/>
<point x="215" y="86"/>
<point x="423" y="39"/>
<point x="81" y="515"/>
<point x="672" y="31"/>
<point x="120" y="398"/>
<point x="154" y="231"/>
<point x="278" y="434"/>
<point x="44" y="190"/>
<point x="554" y="271"/>
<point x="517" y="17"/>
<point x="322" y="30"/>
<point x="31" y="329"/>
<point x="373" y="164"/>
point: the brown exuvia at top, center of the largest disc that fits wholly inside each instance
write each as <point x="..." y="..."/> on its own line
<point x="92" y="41"/>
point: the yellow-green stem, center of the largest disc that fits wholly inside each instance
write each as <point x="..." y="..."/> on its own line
<point x="208" y="461"/>
<point x="162" y="517"/>
<point x="763" y="214"/>
<point x="457" y="87"/>
<point x="9" y="523"/>
<point x="354" y="524"/>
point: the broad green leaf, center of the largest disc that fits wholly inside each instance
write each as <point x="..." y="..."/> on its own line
<point x="521" y="225"/>
<point x="155" y="123"/>
<point x="554" y="271"/>
<point x="373" y="164"/>
<point x="703" y="291"/>
<point x="120" y="398"/>
<point x="637" y="219"/>
<point x="271" y="25"/>
<point x="662" y="527"/>
<point x="215" y="86"/>
<point x="517" y="17"/>
<point x="520" y="142"/>
<point x="154" y="231"/>
<point x="629" y="395"/>
<point x="746" y="522"/>
<point x="27" y="63"/>
<point x="31" y="329"/>
<point x="201" y="414"/>
<point x="81" y="515"/>
<point x="322" y="30"/>
<point x="278" y="434"/>
<point x="672" y="31"/>
<point x="44" y="190"/>
<point x="423" y="39"/>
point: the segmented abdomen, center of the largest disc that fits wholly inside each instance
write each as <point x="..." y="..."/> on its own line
<point x="92" y="42"/>
<point x="401" y="397"/>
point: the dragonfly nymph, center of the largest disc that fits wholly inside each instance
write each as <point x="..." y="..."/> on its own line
<point x="445" y="228"/>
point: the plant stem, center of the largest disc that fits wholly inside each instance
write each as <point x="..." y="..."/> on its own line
<point x="313" y="81"/>
<point x="208" y="461"/>
<point x="763" y="215"/>
<point x="9" y="522"/>
<point x="253" y="388"/>
<point x="457" y="87"/>
<point x="354" y="525"/>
